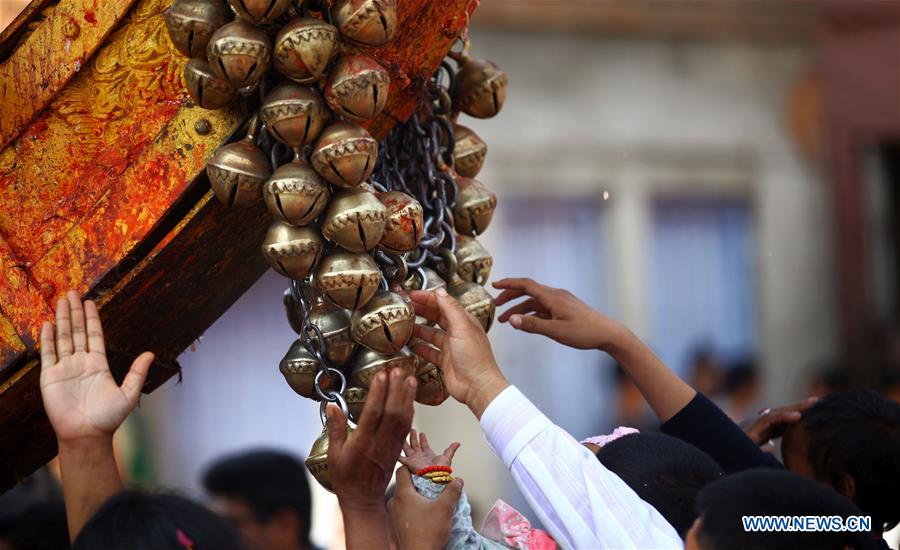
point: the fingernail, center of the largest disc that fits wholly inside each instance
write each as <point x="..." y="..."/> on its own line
<point x="397" y="374"/>
<point x="516" y="321"/>
<point x="411" y="383"/>
<point x="442" y="292"/>
<point x="381" y="377"/>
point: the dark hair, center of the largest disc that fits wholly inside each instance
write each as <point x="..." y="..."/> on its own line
<point x="857" y="433"/>
<point x="36" y="526"/>
<point x="664" y="471"/>
<point x="740" y="374"/>
<point x="133" y="520"/>
<point x="267" y="481"/>
<point x="771" y="492"/>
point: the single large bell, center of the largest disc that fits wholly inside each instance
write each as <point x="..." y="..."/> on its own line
<point x="239" y="53"/>
<point x="357" y="87"/>
<point x="367" y="22"/>
<point x="294" y="114"/>
<point x="468" y="151"/>
<point x="348" y="280"/>
<point x="355" y="219"/>
<point x="385" y="323"/>
<point x="237" y="172"/>
<point x="479" y="88"/>
<point x="405" y="221"/>
<point x="474" y="299"/>
<point x="206" y="89"/>
<point x="368" y="363"/>
<point x="299" y="368"/>
<point x="304" y="47"/>
<point x="192" y="22"/>
<point x="345" y="154"/>
<point x="356" y="400"/>
<point x="334" y="323"/>
<point x="431" y="389"/>
<point x="473" y="260"/>
<point x="260" y="12"/>
<point x="295" y="193"/>
<point x="474" y="206"/>
<point x="317" y="461"/>
<point x="292" y="251"/>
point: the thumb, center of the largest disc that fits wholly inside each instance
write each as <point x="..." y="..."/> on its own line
<point x="450" y="495"/>
<point x="532" y="324"/>
<point x="336" y="424"/>
<point x="137" y="374"/>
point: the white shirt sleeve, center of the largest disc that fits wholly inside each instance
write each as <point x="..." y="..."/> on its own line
<point x="581" y="503"/>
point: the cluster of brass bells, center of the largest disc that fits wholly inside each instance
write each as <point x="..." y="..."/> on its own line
<point x="327" y="220"/>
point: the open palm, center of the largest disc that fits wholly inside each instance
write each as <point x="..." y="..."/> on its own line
<point x="80" y="396"/>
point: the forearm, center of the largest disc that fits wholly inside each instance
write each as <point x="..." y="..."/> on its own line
<point x="365" y="525"/>
<point x="661" y="387"/>
<point x="89" y="478"/>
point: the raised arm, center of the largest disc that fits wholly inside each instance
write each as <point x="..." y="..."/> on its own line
<point x="85" y="405"/>
<point x="583" y="504"/>
<point x="561" y="316"/>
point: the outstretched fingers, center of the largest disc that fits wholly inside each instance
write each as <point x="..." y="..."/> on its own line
<point x="137" y="375"/>
<point x="94" y="328"/>
<point x="64" y="346"/>
<point x="528" y="306"/>
<point x="48" y="346"/>
<point x="76" y="312"/>
<point x="450" y="451"/>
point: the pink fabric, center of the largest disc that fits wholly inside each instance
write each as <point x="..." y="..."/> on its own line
<point x="504" y="524"/>
<point x="601" y="440"/>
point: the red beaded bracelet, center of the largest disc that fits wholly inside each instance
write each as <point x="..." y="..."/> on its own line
<point x="435" y="468"/>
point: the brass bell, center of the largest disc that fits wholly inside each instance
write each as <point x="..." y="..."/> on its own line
<point x="299" y="368"/>
<point x="405" y="221"/>
<point x="294" y="114"/>
<point x="355" y="219"/>
<point x="474" y="299"/>
<point x="260" y="12"/>
<point x="356" y="400"/>
<point x="348" y="280"/>
<point x="385" y="323"/>
<point x="237" y="172"/>
<point x="345" y="154"/>
<point x="206" y="89"/>
<point x="367" y="22"/>
<point x="431" y="389"/>
<point x="474" y="207"/>
<point x="473" y="260"/>
<point x="304" y="47"/>
<point x="357" y="87"/>
<point x="334" y="323"/>
<point x="239" y="53"/>
<point x="468" y="151"/>
<point x="479" y="88"/>
<point x="295" y="193"/>
<point x="293" y="311"/>
<point x="192" y="22"/>
<point x="292" y="251"/>
<point x="317" y="461"/>
<point x="368" y="363"/>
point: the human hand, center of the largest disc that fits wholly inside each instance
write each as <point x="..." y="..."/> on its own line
<point x="558" y="314"/>
<point x="417" y="521"/>
<point x="461" y="349"/>
<point x="417" y="454"/>
<point x="771" y="423"/>
<point x="81" y="398"/>
<point x="360" y="463"/>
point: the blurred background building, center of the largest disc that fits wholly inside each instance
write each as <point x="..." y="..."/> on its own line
<point x="721" y="176"/>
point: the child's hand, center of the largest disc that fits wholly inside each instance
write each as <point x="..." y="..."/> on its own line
<point x="417" y="454"/>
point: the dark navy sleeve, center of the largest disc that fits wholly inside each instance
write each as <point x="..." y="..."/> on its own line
<point x="705" y="426"/>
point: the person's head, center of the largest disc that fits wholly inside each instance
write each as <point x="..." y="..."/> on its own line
<point x="141" y="521"/>
<point x="706" y="371"/>
<point x="742" y="382"/>
<point x="265" y="495"/>
<point x="851" y="441"/>
<point x="664" y="471"/>
<point x="37" y="525"/>
<point x="721" y="505"/>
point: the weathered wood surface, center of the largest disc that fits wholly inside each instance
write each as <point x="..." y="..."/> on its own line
<point x="101" y="190"/>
